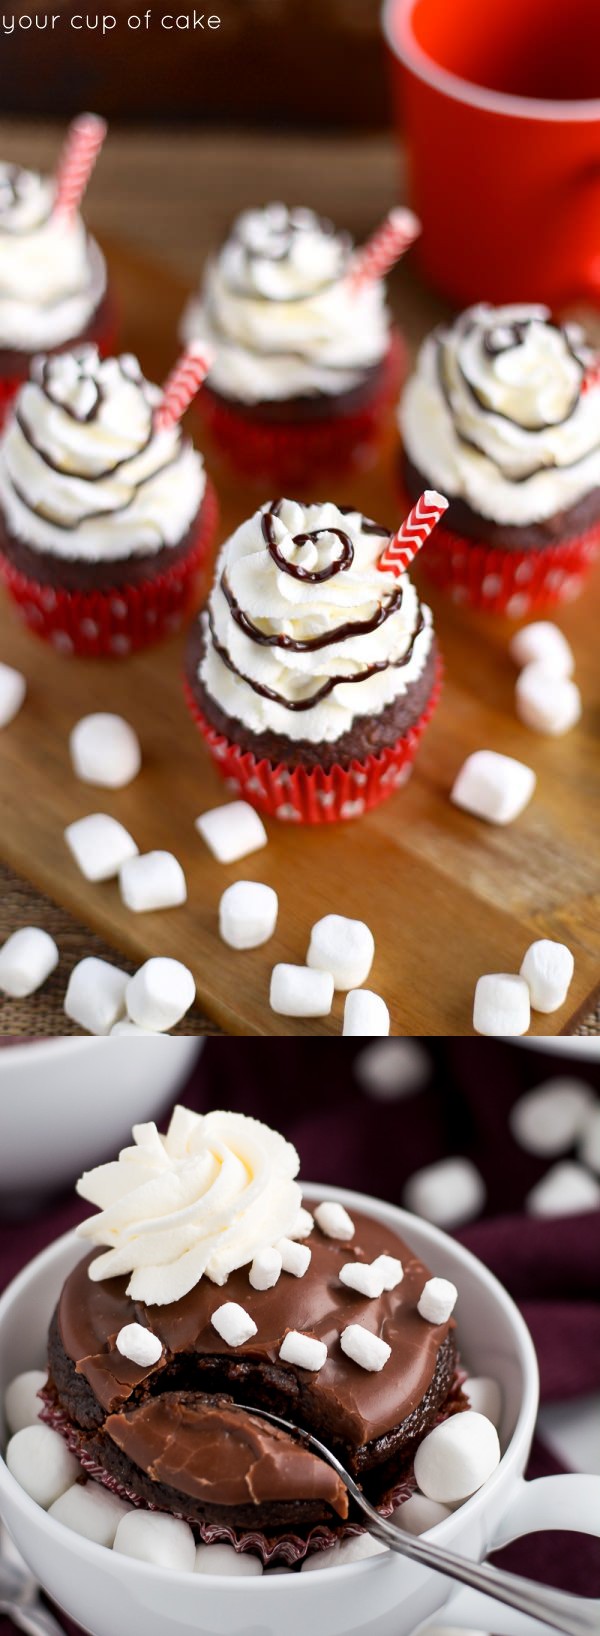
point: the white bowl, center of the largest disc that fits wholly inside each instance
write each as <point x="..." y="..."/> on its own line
<point x="65" y="1104"/>
<point x="113" y="1595"/>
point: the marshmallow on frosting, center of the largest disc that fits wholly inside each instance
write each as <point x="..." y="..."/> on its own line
<point x="52" y="274"/>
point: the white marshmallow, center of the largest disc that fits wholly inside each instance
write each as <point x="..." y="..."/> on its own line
<point x="456" y="1458"/>
<point x="303" y="1225"/>
<point x="152" y="1536"/>
<point x="417" y="1514"/>
<point x="160" y="993"/>
<point x="549" y="1119"/>
<point x="547" y="968"/>
<point x="304" y="1350"/>
<point x="542" y="643"/>
<point x="390" y="1269"/>
<point x="223" y="1559"/>
<point x="566" y="1190"/>
<point x="366" y="1279"/>
<point x="365" y="1013"/>
<point x="127" y="1027"/>
<point x="266" y="1268"/>
<point x="39" y="1460"/>
<point x="232" y="831"/>
<point x="105" y="750"/>
<point x="343" y="947"/>
<point x="334" y="1221"/>
<point x="295" y="1258"/>
<point x="138" y="1344"/>
<point x="357" y="1548"/>
<point x="26" y="960"/>
<point x="493" y="786"/>
<point x="92" y="1511"/>
<point x="501" y="1005"/>
<point x="545" y="702"/>
<point x="484" y="1396"/>
<point x="247" y="914"/>
<point x="447" y="1193"/>
<point x="327" y="1558"/>
<point x="152" y="880"/>
<point x="365" y="1349"/>
<point x="437" y="1300"/>
<point x="13" y="688"/>
<point x="233" y="1324"/>
<point x="99" y="845"/>
<point x="589" y="1150"/>
<point x="95" y="997"/>
<point x="389" y="1072"/>
<point x="296" y="991"/>
<point x="21" y="1402"/>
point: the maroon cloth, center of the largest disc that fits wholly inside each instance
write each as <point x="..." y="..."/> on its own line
<point x="551" y="1268"/>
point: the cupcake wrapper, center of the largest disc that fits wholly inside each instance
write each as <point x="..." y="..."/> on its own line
<point x="286" y="452"/>
<point x="302" y="796"/>
<point x="113" y="624"/>
<point x="104" y="334"/>
<point x="512" y="583"/>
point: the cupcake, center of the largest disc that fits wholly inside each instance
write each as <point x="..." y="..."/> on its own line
<point x="305" y="367"/>
<point x="312" y="673"/>
<point x="187" y="1311"/>
<point x="502" y="415"/>
<point x="105" y="518"/>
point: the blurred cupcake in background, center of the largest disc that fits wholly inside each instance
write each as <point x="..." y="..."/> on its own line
<point x="503" y="414"/>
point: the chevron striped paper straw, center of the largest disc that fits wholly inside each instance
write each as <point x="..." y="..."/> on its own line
<point x="182" y="385"/>
<point x="413" y="533"/>
<point x="397" y="232"/>
<point x="85" y="137"/>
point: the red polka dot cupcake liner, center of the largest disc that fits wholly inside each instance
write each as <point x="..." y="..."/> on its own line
<point x="103" y="334"/>
<point x="299" y="795"/>
<point x="115" y="623"/>
<point x="513" y="583"/>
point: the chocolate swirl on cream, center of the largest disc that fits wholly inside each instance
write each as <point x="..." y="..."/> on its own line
<point x="52" y="274"/>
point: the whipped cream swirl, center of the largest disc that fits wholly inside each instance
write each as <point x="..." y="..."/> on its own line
<point x="278" y="310"/>
<point x="303" y="631"/>
<point x="52" y="274"/>
<point x="198" y="1202"/>
<point x="83" y="473"/>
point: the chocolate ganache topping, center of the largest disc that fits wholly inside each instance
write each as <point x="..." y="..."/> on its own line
<point x="52" y="274"/>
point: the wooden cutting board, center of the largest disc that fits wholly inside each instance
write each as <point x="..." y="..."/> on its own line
<point x="447" y="897"/>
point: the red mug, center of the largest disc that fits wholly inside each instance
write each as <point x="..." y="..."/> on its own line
<point x="498" y="101"/>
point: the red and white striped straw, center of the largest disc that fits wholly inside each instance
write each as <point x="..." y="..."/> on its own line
<point x="413" y="532"/>
<point x="592" y="376"/>
<point x="397" y="232"/>
<point x="85" y="137"/>
<point x="182" y="385"/>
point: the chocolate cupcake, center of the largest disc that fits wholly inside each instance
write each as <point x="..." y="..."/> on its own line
<point x="178" y="1433"/>
<point x="503" y="414"/>
<point x="305" y="368"/>
<point x="313" y="673"/>
<point x="105" y="520"/>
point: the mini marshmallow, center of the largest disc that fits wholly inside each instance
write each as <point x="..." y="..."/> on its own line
<point x="138" y="1344"/>
<point x="304" y="1350"/>
<point x="152" y="880"/>
<point x="13" y="688"/>
<point x="343" y="947"/>
<point x="99" y="845"/>
<point x="90" y="1510"/>
<point x="457" y="1457"/>
<point x="233" y="1324"/>
<point x="127" y="1027"/>
<point x="26" y="960"/>
<point x="225" y="1560"/>
<point x="484" y="1396"/>
<point x="547" y="968"/>
<point x="366" y="1279"/>
<point x="365" y="1013"/>
<point x="39" y="1460"/>
<point x="334" y="1221"/>
<point x="295" y="1258"/>
<point x="21" y="1402"/>
<point x="542" y="643"/>
<point x="493" y="786"/>
<point x="152" y="1536"/>
<point x="160" y="993"/>
<point x="247" y="914"/>
<point x="303" y="1225"/>
<point x="232" y="831"/>
<point x="501" y="1005"/>
<point x="319" y="1560"/>
<point x="266" y="1268"/>
<point x="389" y="1072"/>
<point x="391" y="1271"/>
<point x="417" y="1514"/>
<point x="589" y="1150"/>
<point x="365" y="1349"/>
<point x="437" y="1300"/>
<point x="105" y="750"/>
<point x="545" y="702"/>
<point x="95" y="997"/>
<point x="447" y="1193"/>
<point x="357" y="1548"/>
<point x="296" y="991"/>
<point x="549" y="1119"/>
<point x="566" y="1190"/>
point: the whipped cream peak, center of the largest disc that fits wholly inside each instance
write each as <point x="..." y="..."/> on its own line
<point x="26" y="199"/>
<point x="200" y="1201"/>
<point x="52" y="274"/>
<point x="282" y="254"/>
